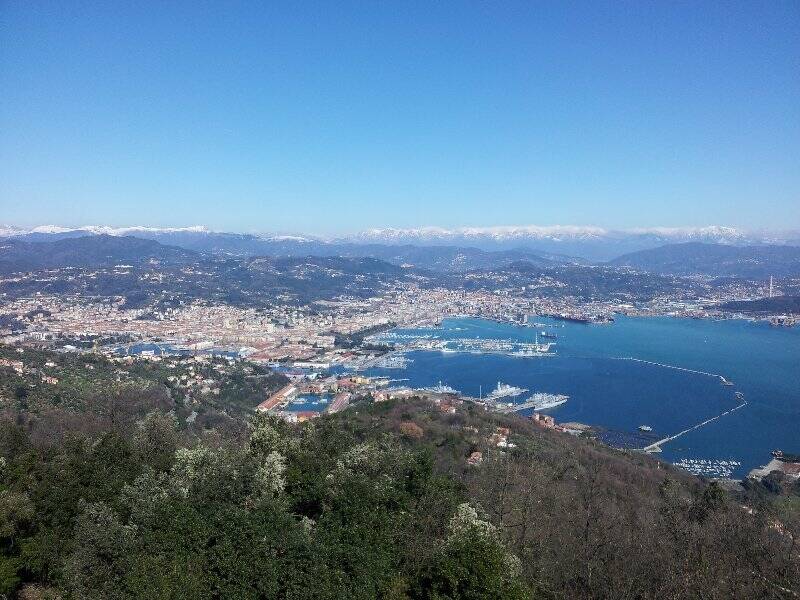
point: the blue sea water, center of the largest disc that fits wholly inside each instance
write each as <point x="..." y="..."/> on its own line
<point x="608" y="390"/>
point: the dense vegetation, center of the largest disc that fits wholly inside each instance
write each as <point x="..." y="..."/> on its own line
<point x="375" y="502"/>
<point x="95" y="251"/>
<point x="252" y="283"/>
<point x="356" y="338"/>
<point x="716" y="260"/>
<point x="776" y="305"/>
<point x="61" y="392"/>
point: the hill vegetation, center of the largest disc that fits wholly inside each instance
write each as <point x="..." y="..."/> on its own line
<point x="715" y="260"/>
<point x="87" y="252"/>
<point x="252" y="282"/>
<point x="375" y="502"/>
<point x="159" y="277"/>
<point x="28" y="253"/>
<point x="778" y="304"/>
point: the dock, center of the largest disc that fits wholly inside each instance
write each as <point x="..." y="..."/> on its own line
<point x="339" y="403"/>
<point x="515" y="407"/>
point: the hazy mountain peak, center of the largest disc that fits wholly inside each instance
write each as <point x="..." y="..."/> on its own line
<point x="133" y="230"/>
<point x="584" y="241"/>
<point x="287" y="238"/>
<point x="11" y="230"/>
<point x="720" y="232"/>
<point x="496" y="232"/>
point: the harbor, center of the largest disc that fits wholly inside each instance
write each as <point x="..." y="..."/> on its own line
<point x="677" y="378"/>
<point x="433" y="342"/>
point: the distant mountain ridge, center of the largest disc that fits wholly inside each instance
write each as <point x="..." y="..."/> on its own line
<point x="539" y="242"/>
<point x="592" y="243"/>
<point x="196" y="239"/>
<point x="10" y="230"/>
<point x="89" y="251"/>
<point x="716" y="260"/>
<point x="554" y="232"/>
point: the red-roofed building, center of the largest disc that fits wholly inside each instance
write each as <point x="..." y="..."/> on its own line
<point x="543" y="421"/>
<point x="277" y="398"/>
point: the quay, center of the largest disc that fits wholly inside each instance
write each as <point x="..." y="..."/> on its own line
<point x="515" y="407"/>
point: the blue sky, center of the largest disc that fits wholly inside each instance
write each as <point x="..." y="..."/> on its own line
<point x="335" y="117"/>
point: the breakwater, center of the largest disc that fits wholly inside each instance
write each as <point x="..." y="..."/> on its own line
<point x="665" y="366"/>
<point x="656" y="447"/>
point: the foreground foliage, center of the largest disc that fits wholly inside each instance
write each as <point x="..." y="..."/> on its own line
<point x="361" y="505"/>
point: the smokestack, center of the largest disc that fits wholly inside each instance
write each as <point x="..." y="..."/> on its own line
<point x="770" y="286"/>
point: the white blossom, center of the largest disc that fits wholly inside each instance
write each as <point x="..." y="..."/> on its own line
<point x="466" y="521"/>
<point x="269" y="477"/>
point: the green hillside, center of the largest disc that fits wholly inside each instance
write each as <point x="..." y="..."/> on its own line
<point x="376" y="502"/>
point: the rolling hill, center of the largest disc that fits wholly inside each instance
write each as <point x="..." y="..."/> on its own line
<point x="88" y="251"/>
<point x="715" y="260"/>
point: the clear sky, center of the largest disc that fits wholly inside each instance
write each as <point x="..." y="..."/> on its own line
<point x="335" y="117"/>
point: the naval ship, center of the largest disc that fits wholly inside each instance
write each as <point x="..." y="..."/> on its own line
<point x="542" y="401"/>
<point x="440" y="388"/>
<point x="503" y="390"/>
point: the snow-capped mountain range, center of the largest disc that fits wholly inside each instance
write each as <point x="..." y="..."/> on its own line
<point x="555" y="233"/>
<point x="12" y="231"/>
<point x="587" y="242"/>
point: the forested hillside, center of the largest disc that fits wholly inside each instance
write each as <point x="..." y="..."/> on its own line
<point x="715" y="260"/>
<point x="375" y="502"/>
<point x="87" y="252"/>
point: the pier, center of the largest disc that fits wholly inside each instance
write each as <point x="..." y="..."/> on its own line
<point x="515" y="407"/>
<point x="656" y="447"/>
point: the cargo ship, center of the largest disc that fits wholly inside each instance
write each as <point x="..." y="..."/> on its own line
<point x="571" y="318"/>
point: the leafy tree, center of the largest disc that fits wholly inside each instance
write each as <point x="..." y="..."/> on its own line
<point x="9" y="575"/>
<point x="472" y="564"/>
<point x="97" y="566"/>
<point x="156" y="440"/>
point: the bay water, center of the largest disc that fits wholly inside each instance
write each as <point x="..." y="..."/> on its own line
<point x="601" y="369"/>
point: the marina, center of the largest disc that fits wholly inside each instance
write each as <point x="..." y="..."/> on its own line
<point x="709" y="467"/>
<point x="434" y="342"/>
<point x="389" y="361"/>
